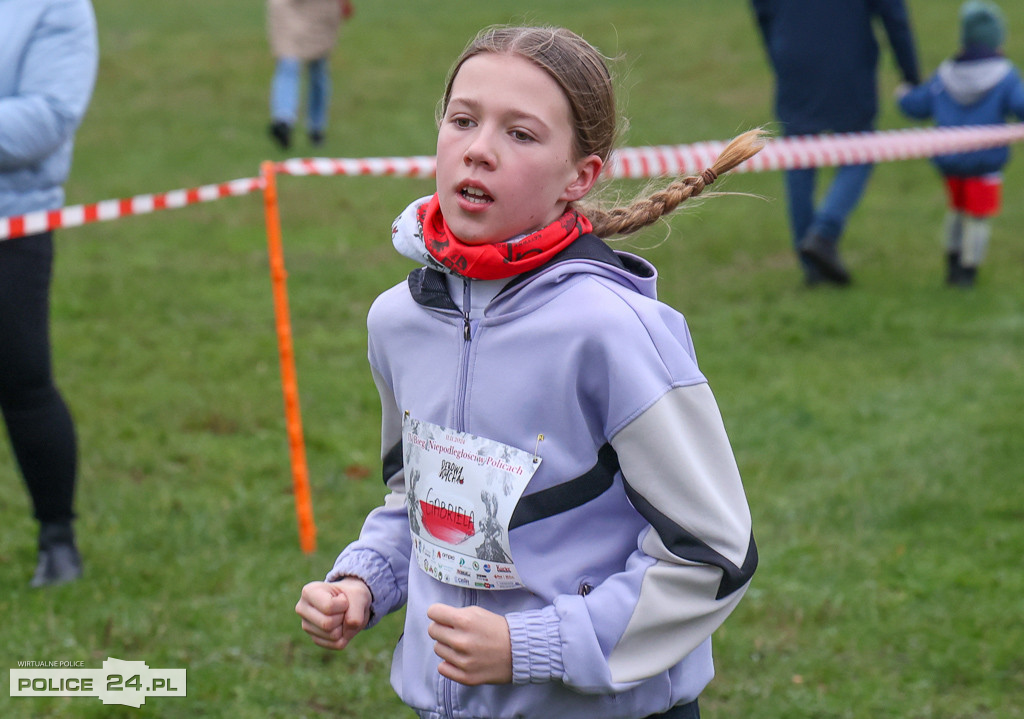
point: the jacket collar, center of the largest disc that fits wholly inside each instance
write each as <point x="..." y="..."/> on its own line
<point x="429" y="289"/>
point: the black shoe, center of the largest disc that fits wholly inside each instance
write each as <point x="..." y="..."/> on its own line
<point x="964" y="277"/>
<point x="822" y="281"/>
<point x="59" y="564"/>
<point x="952" y="267"/>
<point x="813" y="278"/>
<point x="316" y="138"/>
<point x="281" y="131"/>
<point x="825" y="257"/>
<point x="59" y="561"/>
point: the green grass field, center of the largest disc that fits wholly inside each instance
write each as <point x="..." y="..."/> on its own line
<point x="878" y="428"/>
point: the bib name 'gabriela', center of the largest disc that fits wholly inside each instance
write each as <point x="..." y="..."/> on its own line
<point x="447" y="521"/>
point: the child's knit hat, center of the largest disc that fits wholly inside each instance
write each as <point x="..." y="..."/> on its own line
<point x="981" y="24"/>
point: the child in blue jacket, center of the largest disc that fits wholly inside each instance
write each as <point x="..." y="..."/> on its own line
<point x="979" y="86"/>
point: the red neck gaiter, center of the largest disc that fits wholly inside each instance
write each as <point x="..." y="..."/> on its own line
<point x="497" y="260"/>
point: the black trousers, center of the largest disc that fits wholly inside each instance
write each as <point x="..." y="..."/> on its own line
<point x="38" y="422"/>
<point x="680" y="711"/>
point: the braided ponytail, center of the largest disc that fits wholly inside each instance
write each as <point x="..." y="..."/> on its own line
<point x="648" y="210"/>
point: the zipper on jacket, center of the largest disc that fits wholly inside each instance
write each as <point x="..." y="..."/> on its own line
<point x="466" y="298"/>
<point x="449" y="692"/>
<point x="467" y="336"/>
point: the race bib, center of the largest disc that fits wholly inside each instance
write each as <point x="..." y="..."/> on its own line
<point x="462" y="490"/>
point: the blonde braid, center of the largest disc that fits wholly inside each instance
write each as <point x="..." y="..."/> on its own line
<point x="648" y="210"/>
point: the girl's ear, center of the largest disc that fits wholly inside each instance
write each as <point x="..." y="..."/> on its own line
<point x="587" y="171"/>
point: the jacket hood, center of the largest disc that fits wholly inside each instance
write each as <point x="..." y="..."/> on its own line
<point x="588" y="255"/>
<point x="967" y="81"/>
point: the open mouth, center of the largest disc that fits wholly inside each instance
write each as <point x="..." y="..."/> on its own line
<point x="475" y="195"/>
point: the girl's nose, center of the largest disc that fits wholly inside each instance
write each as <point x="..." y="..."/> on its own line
<point x="480" y="151"/>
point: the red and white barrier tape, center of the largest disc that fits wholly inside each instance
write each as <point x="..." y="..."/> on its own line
<point x="786" y="153"/>
<point x="75" y="215"/>
<point x="631" y="162"/>
<point x="779" y="154"/>
<point x="419" y="166"/>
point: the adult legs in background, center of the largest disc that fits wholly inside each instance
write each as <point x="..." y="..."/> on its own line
<point x="843" y="195"/>
<point x="38" y="423"/>
<point x="319" y="99"/>
<point x="800" y="201"/>
<point x="284" y="99"/>
<point x="819" y="245"/>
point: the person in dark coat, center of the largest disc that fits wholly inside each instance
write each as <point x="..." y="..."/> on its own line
<point x="825" y="57"/>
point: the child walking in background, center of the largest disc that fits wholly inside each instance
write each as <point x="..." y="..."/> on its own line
<point x="979" y="86"/>
<point x="566" y="524"/>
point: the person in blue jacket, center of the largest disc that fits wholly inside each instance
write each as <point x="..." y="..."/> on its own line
<point x="48" y="62"/>
<point x="565" y="522"/>
<point x="825" y="56"/>
<point x="978" y="86"/>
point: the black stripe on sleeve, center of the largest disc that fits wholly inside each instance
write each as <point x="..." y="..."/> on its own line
<point x="392" y="462"/>
<point x="686" y="546"/>
<point x="568" y="495"/>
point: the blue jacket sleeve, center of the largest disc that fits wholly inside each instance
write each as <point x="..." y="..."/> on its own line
<point x="54" y="86"/>
<point x="1015" y="101"/>
<point x="918" y="103"/>
<point x="763" y="14"/>
<point x="896" y="21"/>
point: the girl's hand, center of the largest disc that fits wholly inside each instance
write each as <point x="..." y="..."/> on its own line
<point x="473" y="643"/>
<point x="334" y="612"/>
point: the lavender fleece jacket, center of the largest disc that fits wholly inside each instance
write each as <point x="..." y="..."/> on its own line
<point x="633" y="538"/>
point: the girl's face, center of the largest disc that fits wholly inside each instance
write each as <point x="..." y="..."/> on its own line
<point x="505" y="161"/>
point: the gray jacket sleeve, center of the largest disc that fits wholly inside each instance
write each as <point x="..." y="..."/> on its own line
<point x="680" y="474"/>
